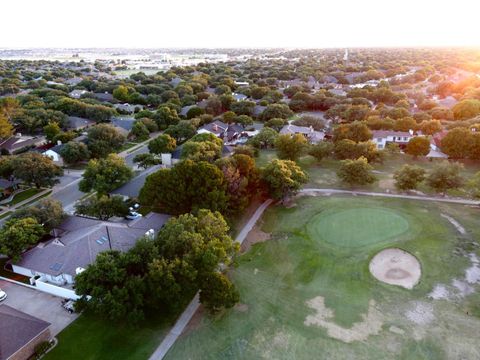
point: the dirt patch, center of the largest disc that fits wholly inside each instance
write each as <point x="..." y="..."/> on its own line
<point x="387" y="184"/>
<point x="241" y="307"/>
<point x="421" y="313"/>
<point x="439" y="292"/>
<point x="455" y="223"/>
<point x="195" y="321"/>
<point x="360" y="331"/>
<point x="254" y="236"/>
<point x="396" y="267"/>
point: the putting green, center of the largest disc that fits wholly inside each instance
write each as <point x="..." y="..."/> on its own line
<point x="357" y="227"/>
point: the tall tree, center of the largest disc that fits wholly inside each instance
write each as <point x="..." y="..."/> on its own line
<point x="185" y="187"/>
<point x="19" y="234"/>
<point x="283" y="178"/>
<point x="408" y="177"/>
<point x="105" y="175"/>
<point x="445" y="176"/>
<point x="291" y="147"/>
<point x="418" y="146"/>
<point x="74" y="152"/>
<point x="356" y="171"/>
<point x="104" y="139"/>
<point x="163" y="143"/>
<point x="36" y="169"/>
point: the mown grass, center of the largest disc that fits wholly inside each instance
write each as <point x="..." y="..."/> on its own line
<point x="277" y="277"/>
<point x="91" y="338"/>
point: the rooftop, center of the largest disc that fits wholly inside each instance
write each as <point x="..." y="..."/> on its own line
<point x="17" y="329"/>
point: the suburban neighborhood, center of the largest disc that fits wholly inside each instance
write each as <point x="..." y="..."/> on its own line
<point x="237" y="200"/>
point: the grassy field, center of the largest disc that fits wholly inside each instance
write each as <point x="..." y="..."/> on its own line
<point x="324" y="175"/>
<point x="90" y="338"/>
<point x="305" y="295"/>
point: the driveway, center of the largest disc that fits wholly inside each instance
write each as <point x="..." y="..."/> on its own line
<point x="39" y="304"/>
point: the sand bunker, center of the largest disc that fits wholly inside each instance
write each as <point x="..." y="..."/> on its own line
<point x="360" y="331"/>
<point x="396" y="267"/>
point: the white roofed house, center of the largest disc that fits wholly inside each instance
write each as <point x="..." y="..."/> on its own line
<point x="77" y="94"/>
<point x="217" y="128"/>
<point x="382" y="138"/>
<point x="313" y="136"/>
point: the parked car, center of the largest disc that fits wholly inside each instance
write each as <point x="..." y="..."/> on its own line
<point x="69" y="305"/>
<point x="3" y="295"/>
<point x="133" y="215"/>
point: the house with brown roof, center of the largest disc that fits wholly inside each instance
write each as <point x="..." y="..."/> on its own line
<point x="20" y="333"/>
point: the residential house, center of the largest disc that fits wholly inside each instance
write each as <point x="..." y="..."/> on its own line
<point x="74" y="81"/>
<point x="128" y="108"/>
<point x="8" y="186"/>
<point x="18" y="143"/>
<point x="435" y="145"/>
<point x="231" y="134"/>
<point x="75" y="244"/>
<point x="78" y="123"/>
<point x="77" y="94"/>
<point x="104" y="97"/>
<point x="20" y="333"/>
<point x="239" y="97"/>
<point x="382" y="138"/>
<point x="54" y="153"/>
<point x="184" y="110"/>
<point x="175" y="81"/>
<point x="217" y="128"/>
<point x="123" y="124"/>
<point x="313" y="136"/>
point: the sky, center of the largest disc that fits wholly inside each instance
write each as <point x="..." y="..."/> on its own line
<point x="233" y="24"/>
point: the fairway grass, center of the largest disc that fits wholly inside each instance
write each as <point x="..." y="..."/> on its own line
<point x="305" y="294"/>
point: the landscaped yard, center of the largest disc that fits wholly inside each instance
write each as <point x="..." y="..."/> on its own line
<point x="24" y="195"/>
<point x="307" y="293"/>
<point x="90" y="338"/>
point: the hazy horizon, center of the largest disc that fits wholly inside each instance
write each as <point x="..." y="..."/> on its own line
<point x="249" y="24"/>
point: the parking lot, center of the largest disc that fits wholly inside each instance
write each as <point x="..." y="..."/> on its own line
<point x="39" y="304"/>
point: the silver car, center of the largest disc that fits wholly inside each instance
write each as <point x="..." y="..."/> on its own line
<point x="3" y="295"/>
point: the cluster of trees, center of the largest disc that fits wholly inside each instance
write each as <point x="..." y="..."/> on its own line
<point x="444" y="176"/>
<point x="32" y="168"/>
<point x="28" y="225"/>
<point x="164" y="273"/>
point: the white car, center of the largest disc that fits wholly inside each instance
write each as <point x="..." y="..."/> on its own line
<point x="3" y="295"/>
<point x="133" y="215"/>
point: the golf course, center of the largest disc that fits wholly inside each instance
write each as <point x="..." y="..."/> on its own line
<point x="307" y="289"/>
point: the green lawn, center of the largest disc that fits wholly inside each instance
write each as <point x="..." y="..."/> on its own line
<point x="303" y="261"/>
<point x="90" y="338"/>
<point x="24" y="195"/>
